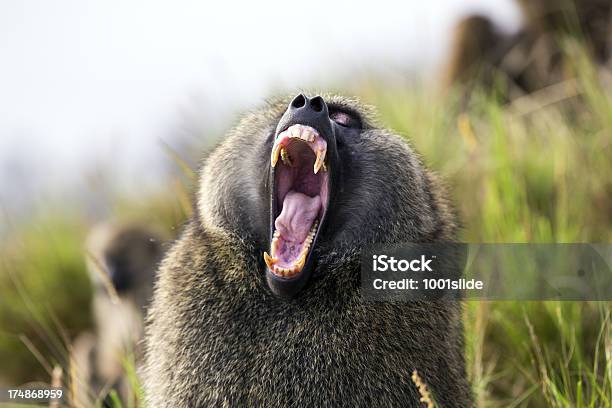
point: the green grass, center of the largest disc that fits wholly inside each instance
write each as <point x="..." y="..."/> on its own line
<point x="541" y="175"/>
<point x="530" y="171"/>
<point x="44" y="288"/>
<point x="42" y="283"/>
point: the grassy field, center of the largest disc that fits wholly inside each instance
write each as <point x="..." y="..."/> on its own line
<point x="538" y="169"/>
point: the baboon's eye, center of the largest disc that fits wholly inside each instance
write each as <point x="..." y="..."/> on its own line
<point x="345" y="119"/>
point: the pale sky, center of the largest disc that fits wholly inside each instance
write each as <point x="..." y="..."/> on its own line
<point x="82" y="81"/>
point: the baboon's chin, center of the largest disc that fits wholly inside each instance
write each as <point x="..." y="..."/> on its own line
<point x="300" y="194"/>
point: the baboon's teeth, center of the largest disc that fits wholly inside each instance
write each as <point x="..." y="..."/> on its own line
<point x="303" y="132"/>
<point x="319" y="162"/>
<point x="299" y="263"/>
<point x="285" y="157"/>
<point x="307" y="135"/>
<point x="310" y="236"/>
<point x="269" y="260"/>
<point x="295" y="131"/>
<point x="275" y="151"/>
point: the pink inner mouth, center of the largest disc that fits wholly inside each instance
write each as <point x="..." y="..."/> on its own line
<point x="301" y="197"/>
<point x="294" y="222"/>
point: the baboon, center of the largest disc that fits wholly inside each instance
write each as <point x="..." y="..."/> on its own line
<point x="533" y="58"/>
<point x="476" y="41"/>
<point x="258" y="303"/>
<point x="121" y="260"/>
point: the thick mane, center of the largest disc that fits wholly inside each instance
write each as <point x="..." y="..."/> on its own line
<point x="219" y="334"/>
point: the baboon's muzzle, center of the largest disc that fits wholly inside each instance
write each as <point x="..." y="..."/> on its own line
<point x="302" y="163"/>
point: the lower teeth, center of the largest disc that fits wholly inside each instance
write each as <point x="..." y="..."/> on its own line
<point x="301" y="259"/>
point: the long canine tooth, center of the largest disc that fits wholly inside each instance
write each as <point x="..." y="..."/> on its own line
<point x="285" y="157"/>
<point x="269" y="260"/>
<point x="275" y="152"/>
<point x="319" y="161"/>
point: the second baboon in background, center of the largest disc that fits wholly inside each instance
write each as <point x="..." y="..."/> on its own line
<point x="533" y="58"/>
<point x="476" y="42"/>
<point x="121" y="260"/>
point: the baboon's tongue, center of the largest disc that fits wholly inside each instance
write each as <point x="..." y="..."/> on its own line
<point x="298" y="214"/>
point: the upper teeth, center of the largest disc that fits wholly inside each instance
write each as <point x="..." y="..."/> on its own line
<point x="302" y="132"/>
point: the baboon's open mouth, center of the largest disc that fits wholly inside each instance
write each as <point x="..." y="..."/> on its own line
<point x="299" y="198"/>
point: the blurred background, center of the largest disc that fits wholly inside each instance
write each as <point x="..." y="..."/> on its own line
<point x="90" y="85"/>
<point x="107" y="107"/>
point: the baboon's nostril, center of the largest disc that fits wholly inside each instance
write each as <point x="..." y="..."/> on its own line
<point x="317" y="104"/>
<point x="298" y="101"/>
<point x="308" y="112"/>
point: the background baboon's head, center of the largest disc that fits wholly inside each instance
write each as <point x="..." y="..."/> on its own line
<point x="125" y="257"/>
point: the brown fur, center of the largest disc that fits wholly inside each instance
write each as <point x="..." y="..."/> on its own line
<point x="475" y="40"/>
<point x="217" y="336"/>
<point x="533" y="58"/>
